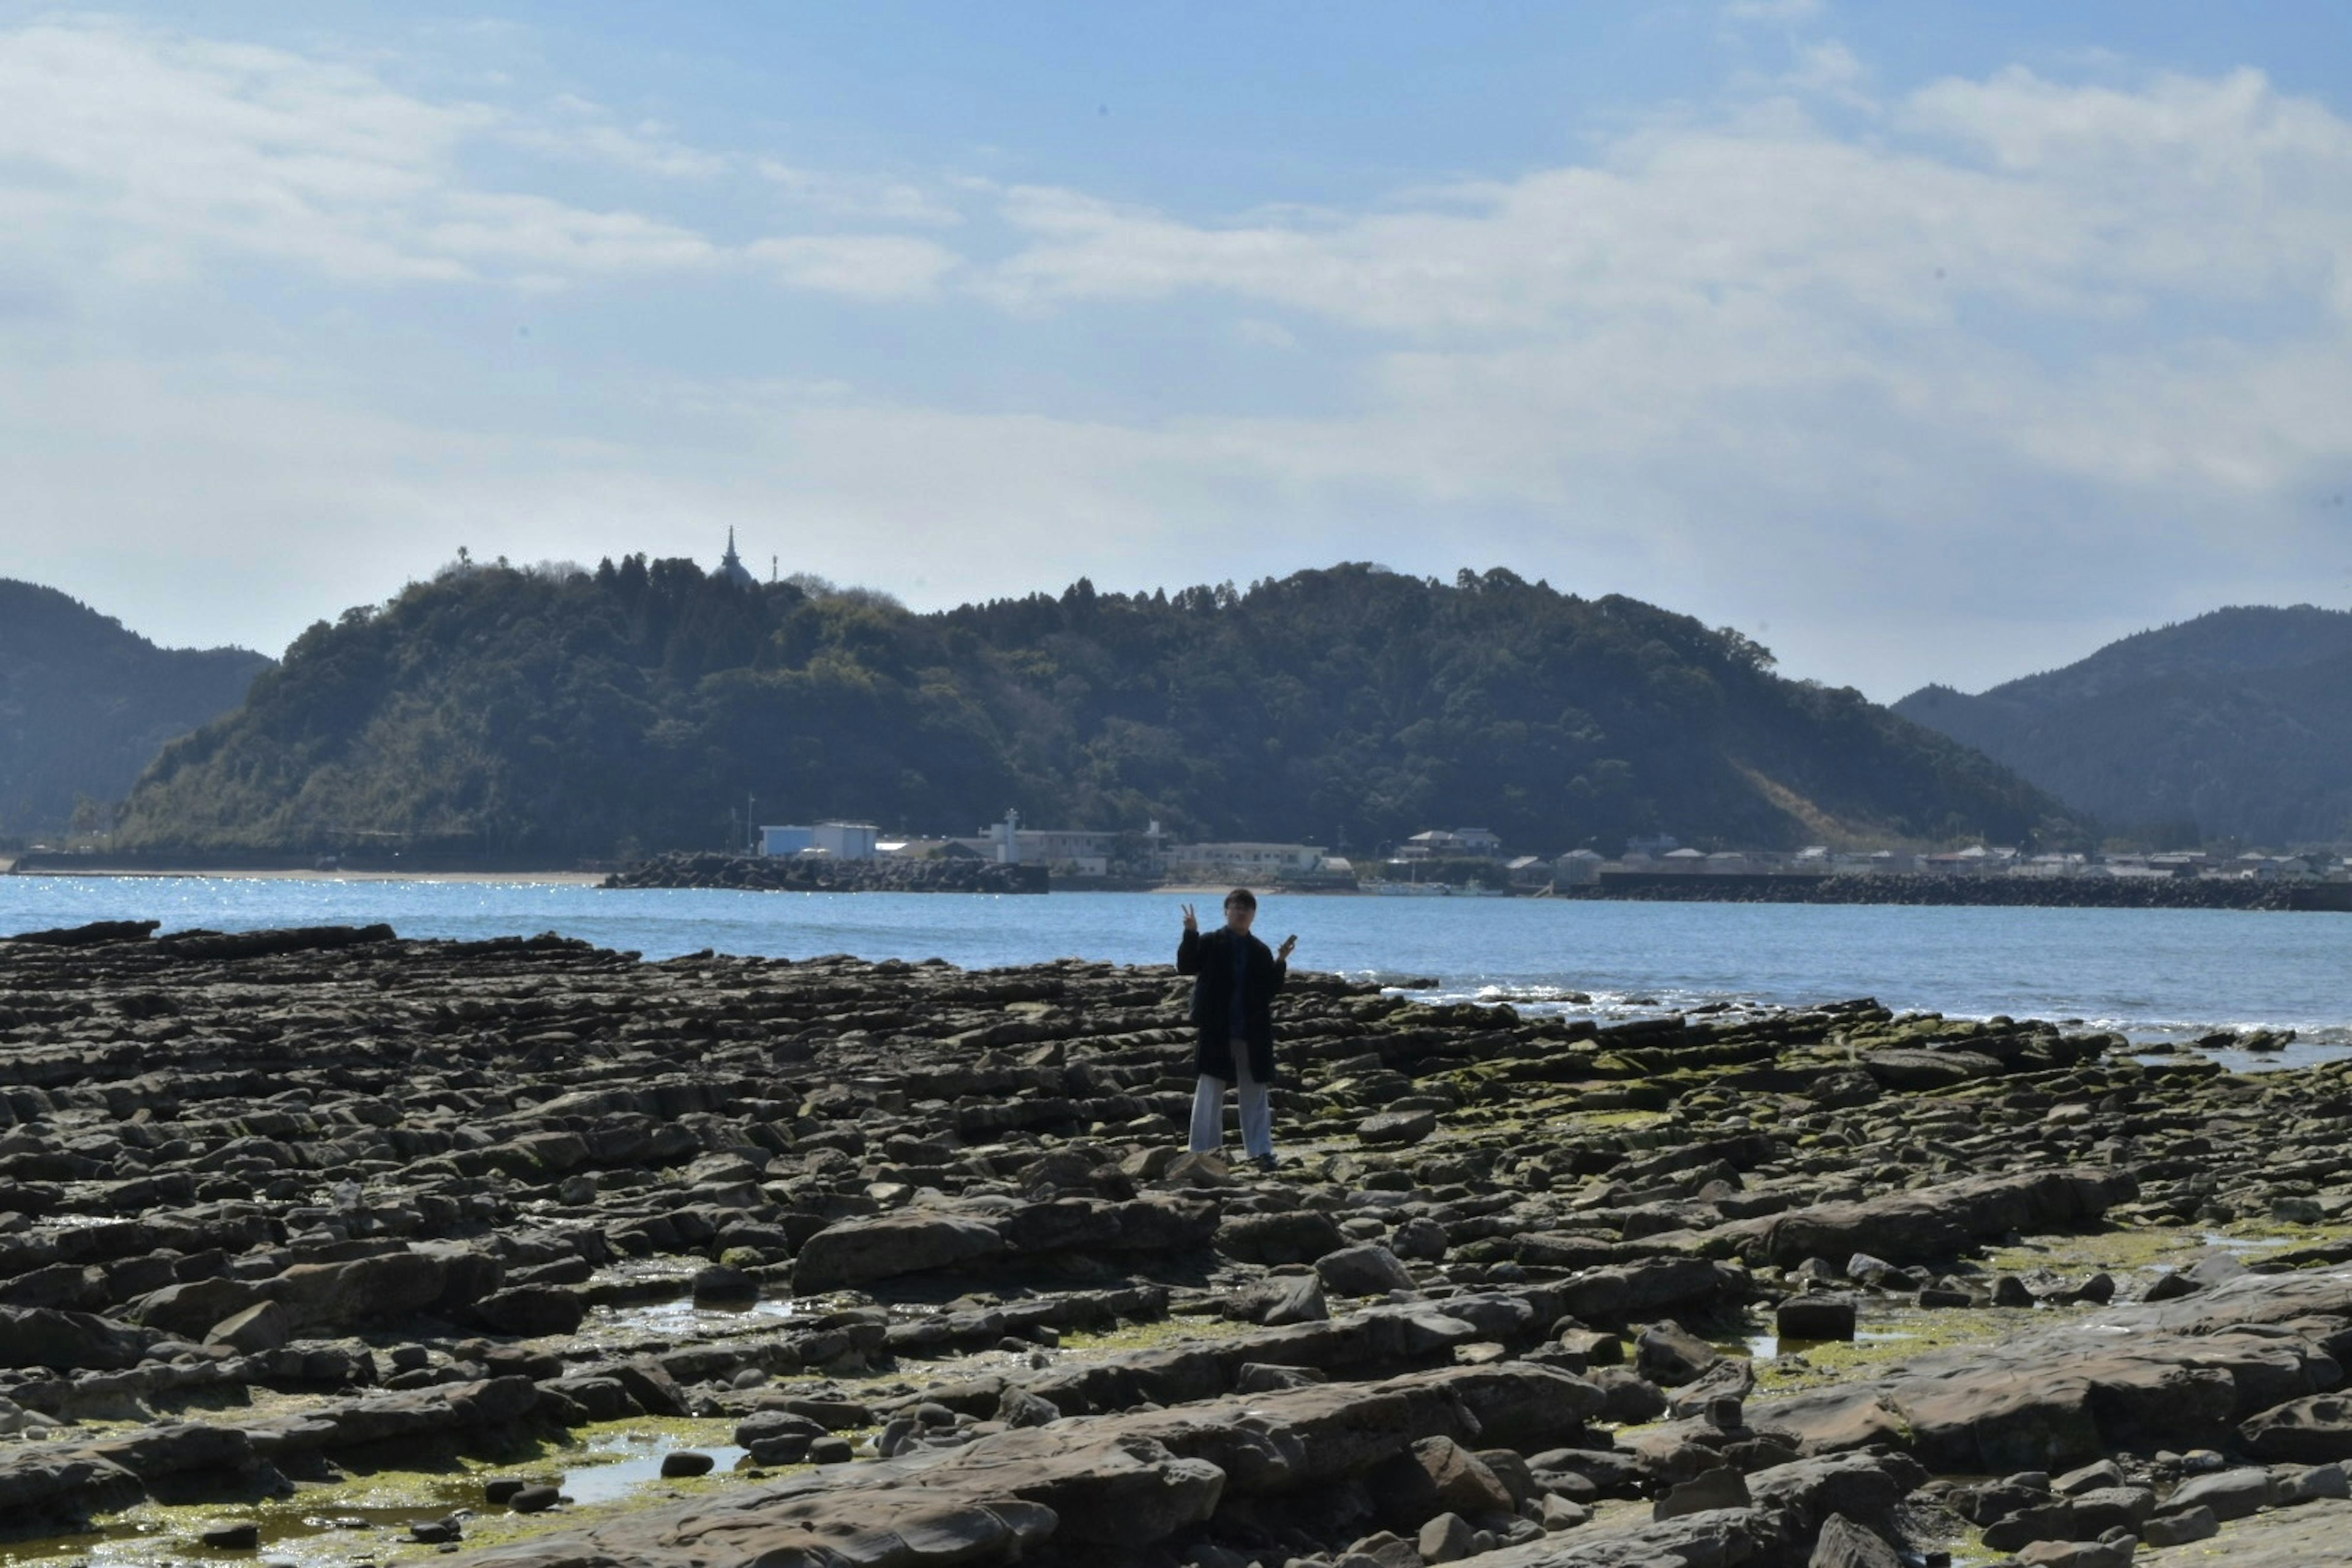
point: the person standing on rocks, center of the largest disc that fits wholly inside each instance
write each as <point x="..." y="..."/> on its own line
<point x="1234" y="979"/>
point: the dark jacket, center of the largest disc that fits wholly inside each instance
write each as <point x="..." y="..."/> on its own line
<point x="1209" y="956"/>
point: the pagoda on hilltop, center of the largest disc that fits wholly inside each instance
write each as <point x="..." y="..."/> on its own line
<point x="731" y="568"/>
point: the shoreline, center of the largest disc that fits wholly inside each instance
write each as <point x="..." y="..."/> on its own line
<point x="1624" y="886"/>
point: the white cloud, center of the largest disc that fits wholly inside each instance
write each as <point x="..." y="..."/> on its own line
<point x="587" y="130"/>
<point x="861" y="266"/>
<point x="1699" y="264"/>
<point x="2021" y="326"/>
<point x="148" y="155"/>
<point x="1781" y="11"/>
<point x="856" y="197"/>
<point x="2019" y="355"/>
<point x="1828" y="69"/>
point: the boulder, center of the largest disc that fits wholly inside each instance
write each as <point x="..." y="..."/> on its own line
<point x="264" y="1326"/>
<point x="191" y="1308"/>
<point x="1397" y="1127"/>
<point x="1366" y="1270"/>
<point x="390" y="1285"/>
<point x="1709" y="1490"/>
<point x="1903" y="1069"/>
<point x="531" y="1311"/>
<point x="1824" y="1315"/>
<point x="2315" y="1430"/>
<point x="1932" y="1223"/>
<point x="1607" y="1297"/>
<point x="1843" y="1543"/>
<point x="1460" y="1479"/>
<point x="1286" y="1298"/>
<point x="885" y="1246"/>
<point x="1669" y="1356"/>
<point x="66" y="1341"/>
<point x="1299" y="1235"/>
<point x="2226" y="1494"/>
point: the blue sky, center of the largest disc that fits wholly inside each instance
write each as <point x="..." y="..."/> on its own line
<point x="1922" y="342"/>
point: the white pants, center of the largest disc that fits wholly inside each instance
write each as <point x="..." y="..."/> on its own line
<point x="1209" y="1110"/>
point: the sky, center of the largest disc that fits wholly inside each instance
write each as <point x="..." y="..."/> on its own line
<point x="1920" y="341"/>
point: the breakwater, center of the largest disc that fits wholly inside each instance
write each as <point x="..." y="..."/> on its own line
<point x="821" y="874"/>
<point x="2011" y="892"/>
<point x="424" y="1194"/>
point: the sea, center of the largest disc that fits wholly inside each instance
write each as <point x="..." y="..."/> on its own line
<point x="2162" y="977"/>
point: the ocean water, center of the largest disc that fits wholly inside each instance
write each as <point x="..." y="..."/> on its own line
<point x="2158" y="976"/>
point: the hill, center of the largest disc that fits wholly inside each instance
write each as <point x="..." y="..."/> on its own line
<point x="85" y="704"/>
<point x="2237" y="724"/>
<point x="575" y="715"/>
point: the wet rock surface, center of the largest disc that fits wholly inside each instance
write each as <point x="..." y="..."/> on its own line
<point x="276" y="1206"/>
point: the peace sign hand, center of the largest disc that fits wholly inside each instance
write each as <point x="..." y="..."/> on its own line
<point x="1192" y="921"/>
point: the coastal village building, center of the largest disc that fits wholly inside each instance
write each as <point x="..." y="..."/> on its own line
<point x="840" y="840"/>
<point x="1578" y="867"/>
<point x="1242" y="862"/>
<point x="1449" y="843"/>
<point x="1073" y="852"/>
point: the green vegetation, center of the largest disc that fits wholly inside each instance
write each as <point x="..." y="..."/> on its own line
<point x="84" y="705"/>
<point x="2237" y="724"/>
<point x="561" y="715"/>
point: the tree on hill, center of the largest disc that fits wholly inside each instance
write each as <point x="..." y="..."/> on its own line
<point x="556" y="715"/>
<point x="85" y="704"/>
<point x="2234" y="725"/>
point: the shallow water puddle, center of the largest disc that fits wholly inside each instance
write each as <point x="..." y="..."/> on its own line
<point x="1765" y="1347"/>
<point x="682" y="1319"/>
<point x="368" y="1520"/>
<point x="635" y="1461"/>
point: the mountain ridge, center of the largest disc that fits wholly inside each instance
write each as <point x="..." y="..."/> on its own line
<point x="608" y="714"/>
<point x="85" y="703"/>
<point x="2232" y="725"/>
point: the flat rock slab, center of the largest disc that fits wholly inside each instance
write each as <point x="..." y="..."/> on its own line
<point x="2304" y="1537"/>
<point x="1059" y="1492"/>
<point x="1718" y="1538"/>
<point x="2179" y="1374"/>
<point x="1931" y="1223"/>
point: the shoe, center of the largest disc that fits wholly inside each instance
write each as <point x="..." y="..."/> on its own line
<point x="1264" y="1163"/>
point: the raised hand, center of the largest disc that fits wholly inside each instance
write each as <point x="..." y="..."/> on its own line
<point x="1192" y="921"/>
<point x="1283" y="953"/>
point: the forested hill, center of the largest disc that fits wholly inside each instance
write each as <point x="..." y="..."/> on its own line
<point x="570" y="715"/>
<point x="2236" y="724"/>
<point x="85" y="704"/>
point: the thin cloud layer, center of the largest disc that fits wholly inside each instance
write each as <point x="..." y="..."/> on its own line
<point x="159" y="154"/>
<point x="1938" y="383"/>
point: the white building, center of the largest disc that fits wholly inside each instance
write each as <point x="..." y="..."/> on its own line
<point x="847" y="840"/>
<point x="1242" y="862"/>
<point x="787" y="840"/>
<point x="1083" y="852"/>
<point x="840" y="840"/>
<point x="1578" y="867"/>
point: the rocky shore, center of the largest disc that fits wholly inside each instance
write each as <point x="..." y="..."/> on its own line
<point x="910" y="1253"/>
<point x="817" y="874"/>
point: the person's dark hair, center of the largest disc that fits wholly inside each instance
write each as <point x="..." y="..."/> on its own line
<point x="1242" y="897"/>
